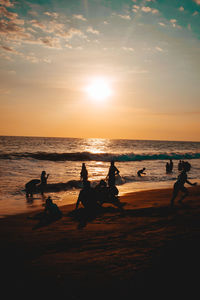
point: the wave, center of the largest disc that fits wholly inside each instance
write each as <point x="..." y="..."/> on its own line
<point x="106" y="157"/>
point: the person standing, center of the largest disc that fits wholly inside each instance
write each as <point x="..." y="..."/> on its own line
<point x="43" y="180"/>
<point x="111" y="174"/>
<point x="84" y="174"/>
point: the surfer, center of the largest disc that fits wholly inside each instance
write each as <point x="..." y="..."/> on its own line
<point x="111" y="174"/>
<point x="43" y="184"/>
<point x="141" y="172"/>
<point x="179" y="184"/>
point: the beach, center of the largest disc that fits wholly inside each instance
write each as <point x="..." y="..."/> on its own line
<point x="146" y="249"/>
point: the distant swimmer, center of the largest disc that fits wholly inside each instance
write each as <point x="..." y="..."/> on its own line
<point x="111" y="174"/>
<point x="141" y="172"/>
<point x="84" y="173"/>
<point x="43" y="184"/>
<point x="179" y="184"/>
<point x="169" y="166"/>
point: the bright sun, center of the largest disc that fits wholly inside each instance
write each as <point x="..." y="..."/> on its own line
<point x="99" y="89"/>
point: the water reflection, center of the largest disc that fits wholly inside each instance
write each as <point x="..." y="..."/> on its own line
<point x="95" y="145"/>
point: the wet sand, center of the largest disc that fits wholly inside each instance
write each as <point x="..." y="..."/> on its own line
<point x="147" y="249"/>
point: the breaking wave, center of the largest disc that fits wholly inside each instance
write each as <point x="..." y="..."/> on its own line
<point x="106" y="157"/>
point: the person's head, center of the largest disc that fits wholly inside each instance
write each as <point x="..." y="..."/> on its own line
<point x="186" y="167"/>
<point x="144" y="169"/>
<point x="49" y="200"/>
<point x="112" y="162"/>
<point x="43" y="172"/>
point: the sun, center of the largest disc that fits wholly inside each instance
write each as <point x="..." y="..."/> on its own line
<point x="99" y="89"/>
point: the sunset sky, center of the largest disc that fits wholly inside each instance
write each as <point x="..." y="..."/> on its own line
<point x="145" y="54"/>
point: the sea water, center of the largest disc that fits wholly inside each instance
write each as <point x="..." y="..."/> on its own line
<point x="24" y="158"/>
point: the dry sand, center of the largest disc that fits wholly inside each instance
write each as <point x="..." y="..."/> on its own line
<point x="146" y="249"/>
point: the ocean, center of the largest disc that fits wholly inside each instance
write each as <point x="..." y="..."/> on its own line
<point x="24" y="158"/>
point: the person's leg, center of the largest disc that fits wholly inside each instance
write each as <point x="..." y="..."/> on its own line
<point x="174" y="195"/>
<point x="185" y="194"/>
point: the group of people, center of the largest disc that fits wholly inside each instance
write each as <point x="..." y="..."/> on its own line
<point x="169" y="166"/>
<point x="92" y="198"/>
<point x="35" y="184"/>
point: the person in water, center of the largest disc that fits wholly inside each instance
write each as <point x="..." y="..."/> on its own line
<point x="84" y="174"/>
<point x="43" y="179"/>
<point x="140" y="172"/>
<point x="179" y="184"/>
<point x="31" y="186"/>
<point x="111" y="174"/>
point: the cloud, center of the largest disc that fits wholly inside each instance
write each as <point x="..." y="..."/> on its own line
<point x="181" y="8"/>
<point x="162" y="24"/>
<point x="174" y="23"/>
<point x="10" y="30"/>
<point x="128" y="49"/>
<point x="10" y="50"/>
<point x="125" y="17"/>
<point x="50" y="42"/>
<point x="195" y="13"/>
<point x="6" y="3"/>
<point x="51" y="14"/>
<point x="74" y="32"/>
<point x="147" y="9"/>
<point x="5" y="13"/>
<point x="91" y="30"/>
<point x="197" y="2"/>
<point x="135" y="8"/>
<point x="79" y="17"/>
<point x="38" y="24"/>
<point x="159" y="49"/>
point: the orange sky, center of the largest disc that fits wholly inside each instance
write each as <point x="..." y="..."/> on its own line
<point x="147" y="53"/>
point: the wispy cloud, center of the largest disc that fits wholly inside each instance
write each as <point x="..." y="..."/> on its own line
<point x="92" y="30"/>
<point x="51" y="14"/>
<point x="148" y="9"/>
<point x="6" y="3"/>
<point x="181" y="8"/>
<point x="197" y="1"/>
<point x="79" y="17"/>
<point x="129" y="49"/>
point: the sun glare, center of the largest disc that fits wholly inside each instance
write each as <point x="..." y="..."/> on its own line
<point x="99" y="89"/>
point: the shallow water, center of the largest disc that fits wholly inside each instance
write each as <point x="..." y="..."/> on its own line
<point x="24" y="158"/>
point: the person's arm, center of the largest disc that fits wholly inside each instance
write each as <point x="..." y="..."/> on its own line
<point x="116" y="170"/>
<point x="195" y="183"/>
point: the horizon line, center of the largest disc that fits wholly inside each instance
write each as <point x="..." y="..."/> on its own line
<point x="68" y="137"/>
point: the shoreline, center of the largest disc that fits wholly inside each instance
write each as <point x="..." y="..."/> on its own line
<point x="145" y="247"/>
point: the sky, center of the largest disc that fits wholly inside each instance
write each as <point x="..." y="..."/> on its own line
<point x="122" y="69"/>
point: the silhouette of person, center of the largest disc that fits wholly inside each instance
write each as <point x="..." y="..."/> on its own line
<point x="111" y="174"/>
<point x="101" y="191"/>
<point x="52" y="210"/>
<point x="51" y="213"/>
<point x="30" y="187"/>
<point x="84" y="174"/>
<point x="180" y="165"/>
<point x="167" y="168"/>
<point x="87" y="197"/>
<point x="171" y="165"/>
<point x="179" y="184"/>
<point x="43" y="184"/>
<point x="141" y="172"/>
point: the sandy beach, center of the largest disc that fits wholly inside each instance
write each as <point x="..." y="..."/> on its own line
<point x="145" y="249"/>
